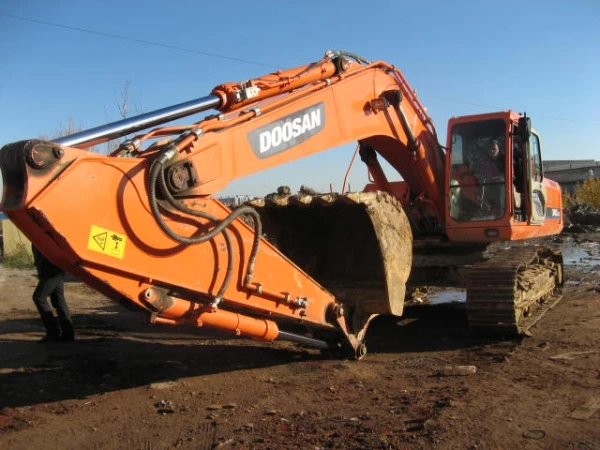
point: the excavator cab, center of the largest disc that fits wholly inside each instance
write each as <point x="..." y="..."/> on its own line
<point x="496" y="186"/>
<point x="477" y="188"/>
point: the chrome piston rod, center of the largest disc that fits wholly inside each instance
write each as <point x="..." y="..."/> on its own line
<point x="311" y="342"/>
<point x="123" y="127"/>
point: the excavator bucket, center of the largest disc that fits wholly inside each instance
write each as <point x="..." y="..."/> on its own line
<point x="356" y="245"/>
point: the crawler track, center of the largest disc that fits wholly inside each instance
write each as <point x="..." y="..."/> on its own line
<point x="508" y="293"/>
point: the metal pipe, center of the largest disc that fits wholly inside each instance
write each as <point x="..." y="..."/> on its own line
<point x="123" y="127"/>
<point x="316" y="343"/>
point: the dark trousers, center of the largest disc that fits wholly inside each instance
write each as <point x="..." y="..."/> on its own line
<point x="54" y="288"/>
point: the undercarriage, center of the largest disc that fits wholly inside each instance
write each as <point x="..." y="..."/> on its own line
<point x="344" y="243"/>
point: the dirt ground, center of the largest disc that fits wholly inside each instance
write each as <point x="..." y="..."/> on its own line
<point x="125" y="384"/>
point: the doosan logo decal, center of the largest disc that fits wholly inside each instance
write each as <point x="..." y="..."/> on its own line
<point x="552" y="213"/>
<point x="288" y="131"/>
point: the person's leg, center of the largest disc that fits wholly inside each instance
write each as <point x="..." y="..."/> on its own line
<point x="57" y="297"/>
<point x="40" y="299"/>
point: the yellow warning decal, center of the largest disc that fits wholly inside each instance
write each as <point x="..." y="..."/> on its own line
<point x="108" y="242"/>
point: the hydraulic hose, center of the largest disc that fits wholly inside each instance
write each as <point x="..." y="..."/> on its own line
<point x="173" y="202"/>
<point x="157" y="175"/>
<point x="354" y="56"/>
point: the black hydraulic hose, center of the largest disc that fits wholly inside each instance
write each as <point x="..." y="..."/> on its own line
<point x="156" y="170"/>
<point x="154" y="173"/>
<point x="244" y="210"/>
<point x="173" y="202"/>
<point x="354" y="56"/>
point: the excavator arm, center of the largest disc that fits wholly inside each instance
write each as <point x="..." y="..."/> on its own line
<point x="142" y="225"/>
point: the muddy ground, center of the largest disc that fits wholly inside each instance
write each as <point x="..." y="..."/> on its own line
<point x="125" y="384"/>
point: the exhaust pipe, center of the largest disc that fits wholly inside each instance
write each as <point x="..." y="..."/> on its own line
<point x="115" y="130"/>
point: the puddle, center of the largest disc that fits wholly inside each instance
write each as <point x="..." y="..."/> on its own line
<point x="575" y="255"/>
<point x="585" y="255"/>
<point x="447" y="296"/>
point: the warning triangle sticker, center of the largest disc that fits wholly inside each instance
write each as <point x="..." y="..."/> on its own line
<point x="107" y="242"/>
<point x="100" y="239"/>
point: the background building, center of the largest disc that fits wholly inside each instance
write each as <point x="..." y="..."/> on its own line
<point x="570" y="173"/>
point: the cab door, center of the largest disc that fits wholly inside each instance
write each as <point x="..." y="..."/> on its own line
<point x="535" y="176"/>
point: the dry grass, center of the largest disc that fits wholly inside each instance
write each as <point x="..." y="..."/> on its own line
<point x="20" y="259"/>
<point x="589" y="193"/>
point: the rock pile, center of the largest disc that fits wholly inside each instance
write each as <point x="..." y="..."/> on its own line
<point x="581" y="219"/>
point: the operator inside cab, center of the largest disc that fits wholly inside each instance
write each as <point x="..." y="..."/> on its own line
<point x="492" y="162"/>
<point x="477" y="176"/>
<point x="491" y="178"/>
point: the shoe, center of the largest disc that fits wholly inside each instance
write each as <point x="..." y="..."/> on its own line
<point x="49" y="338"/>
<point x="68" y="337"/>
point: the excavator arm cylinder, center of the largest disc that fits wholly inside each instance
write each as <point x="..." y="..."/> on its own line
<point x="124" y="127"/>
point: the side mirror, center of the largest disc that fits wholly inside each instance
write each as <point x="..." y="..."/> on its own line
<point x="525" y="127"/>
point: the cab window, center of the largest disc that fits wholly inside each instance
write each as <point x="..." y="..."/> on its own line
<point x="477" y="171"/>
<point x="535" y="155"/>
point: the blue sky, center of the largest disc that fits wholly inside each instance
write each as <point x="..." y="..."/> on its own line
<point x="462" y="57"/>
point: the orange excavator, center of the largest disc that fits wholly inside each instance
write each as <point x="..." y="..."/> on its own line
<point x="143" y="226"/>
